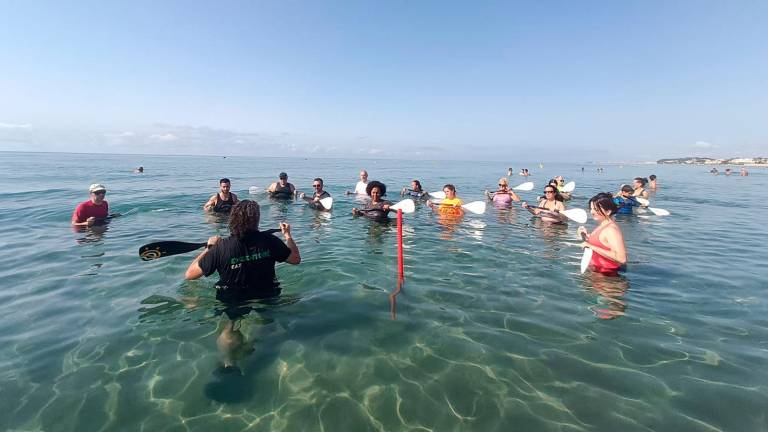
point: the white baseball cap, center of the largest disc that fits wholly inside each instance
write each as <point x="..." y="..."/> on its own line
<point x="97" y="187"/>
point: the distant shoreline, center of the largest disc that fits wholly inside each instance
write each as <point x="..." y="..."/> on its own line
<point x="751" y="162"/>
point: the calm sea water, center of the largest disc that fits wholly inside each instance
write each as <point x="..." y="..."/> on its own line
<point x="494" y="329"/>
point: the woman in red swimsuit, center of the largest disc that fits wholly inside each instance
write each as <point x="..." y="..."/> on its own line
<point x="606" y="241"/>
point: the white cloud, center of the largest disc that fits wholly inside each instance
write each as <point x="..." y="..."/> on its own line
<point x="164" y="137"/>
<point x="705" y="145"/>
<point x="14" y="126"/>
<point x="374" y="151"/>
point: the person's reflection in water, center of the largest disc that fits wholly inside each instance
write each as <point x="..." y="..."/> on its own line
<point x="610" y="291"/>
<point x="552" y="235"/>
<point x="93" y="234"/>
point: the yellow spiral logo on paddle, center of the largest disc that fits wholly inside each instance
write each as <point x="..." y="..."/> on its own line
<point x="150" y="254"/>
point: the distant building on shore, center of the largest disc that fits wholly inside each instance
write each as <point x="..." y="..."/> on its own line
<point x="710" y="161"/>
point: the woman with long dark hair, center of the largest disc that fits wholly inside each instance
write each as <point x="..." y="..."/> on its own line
<point x="606" y="241"/>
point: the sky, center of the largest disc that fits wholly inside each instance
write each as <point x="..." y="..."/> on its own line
<point x="534" y="81"/>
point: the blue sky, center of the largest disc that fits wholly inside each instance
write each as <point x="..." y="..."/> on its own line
<point x="559" y="81"/>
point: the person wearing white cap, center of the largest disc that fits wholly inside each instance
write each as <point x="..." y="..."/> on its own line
<point x="88" y="212"/>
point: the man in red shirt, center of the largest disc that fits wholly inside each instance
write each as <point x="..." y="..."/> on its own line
<point x="87" y="212"/>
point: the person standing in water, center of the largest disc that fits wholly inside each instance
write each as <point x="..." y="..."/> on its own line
<point x="246" y="259"/>
<point x="504" y="196"/>
<point x="377" y="208"/>
<point x="415" y="192"/>
<point x="96" y="208"/>
<point x="281" y="189"/>
<point x="361" y="188"/>
<point x="652" y="181"/>
<point x="451" y="205"/>
<point x="314" y="201"/>
<point x="606" y="241"/>
<point x="639" y="188"/>
<point x="743" y="172"/>
<point x="549" y="207"/>
<point x="223" y="201"/>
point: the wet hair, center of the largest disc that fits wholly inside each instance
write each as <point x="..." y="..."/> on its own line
<point x="224" y="180"/>
<point x="418" y="186"/>
<point x="244" y="218"/>
<point x="642" y="181"/>
<point x="603" y="203"/>
<point x="376" y="184"/>
<point x="318" y="179"/>
<point x="652" y="176"/>
<point x="450" y="187"/>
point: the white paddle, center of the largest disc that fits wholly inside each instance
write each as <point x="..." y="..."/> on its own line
<point x="586" y="258"/>
<point x="476" y="207"/>
<point x="406" y="205"/>
<point x="575" y="214"/>
<point x="327" y="203"/>
<point x="254" y="190"/>
<point x="569" y="187"/>
<point x="656" y="211"/>
<point x="527" y="186"/>
<point x="437" y="195"/>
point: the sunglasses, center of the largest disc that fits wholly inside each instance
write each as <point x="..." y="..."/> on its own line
<point x="99" y="193"/>
<point x="549" y="191"/>
<point x="502" y="184"/>
<point x="316" y="185"/>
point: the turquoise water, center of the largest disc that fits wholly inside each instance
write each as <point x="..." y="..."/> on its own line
<point x="494" y="329"/>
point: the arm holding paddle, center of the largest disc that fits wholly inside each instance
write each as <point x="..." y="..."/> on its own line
<point x="295" y="257"/>
<point x="194" y="271"/>
<point x="610" y="236"/>
<point x="208" y="206"/>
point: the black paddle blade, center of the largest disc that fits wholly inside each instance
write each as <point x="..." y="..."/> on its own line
<point x="161" y="249"/>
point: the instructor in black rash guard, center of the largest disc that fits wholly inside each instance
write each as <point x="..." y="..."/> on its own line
<point x="246" y="259"/>
<point x="281" y="189"/>
<point x="319" y="194"/>
<point x="376" y="209"/>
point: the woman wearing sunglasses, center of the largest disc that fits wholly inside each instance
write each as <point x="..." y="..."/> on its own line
<point x="503" y="197"/>
<point x="550" y="206"/>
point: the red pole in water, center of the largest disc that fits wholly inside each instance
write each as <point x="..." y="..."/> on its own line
<point x="399" y="245"/>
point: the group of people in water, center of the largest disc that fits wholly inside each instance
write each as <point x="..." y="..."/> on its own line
<point x="742" y="172"/>
<point x="245" y="261"/>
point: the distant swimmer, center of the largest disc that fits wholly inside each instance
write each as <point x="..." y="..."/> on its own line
<point x="223" y="201"/>
<point x="606" y="241"/>
<point x="377" y="208"/>
<point x="652" y="182"/>
<point x="314" y="201"/>
<point x="415" y="192"/>
<point x="639" y="184"/>
<point x="510" y="172"/>
<point x="362" y="186"/>
<point x="743" y="172"/>
<point x="714" y="171"/>
<point x="87" y="213"/>
<point x="524" y="172"/>
<point x="451" y="205"/>
<point x="504" y="196"/>
<point x="281" y="189"/>
<point x="139" y="170"/>
<point x="625" y="202"/>
<point x="246" y="259"/>
<point x="549" y="207"/>
<point x="727" y="171"/>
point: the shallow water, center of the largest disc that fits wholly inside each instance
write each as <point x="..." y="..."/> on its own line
<point x="494" y="328"/>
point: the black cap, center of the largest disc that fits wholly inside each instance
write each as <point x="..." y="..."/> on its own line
<point x="283" y="175"/>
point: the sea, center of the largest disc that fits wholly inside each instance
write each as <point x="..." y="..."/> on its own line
<point x="493" y="329"/>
